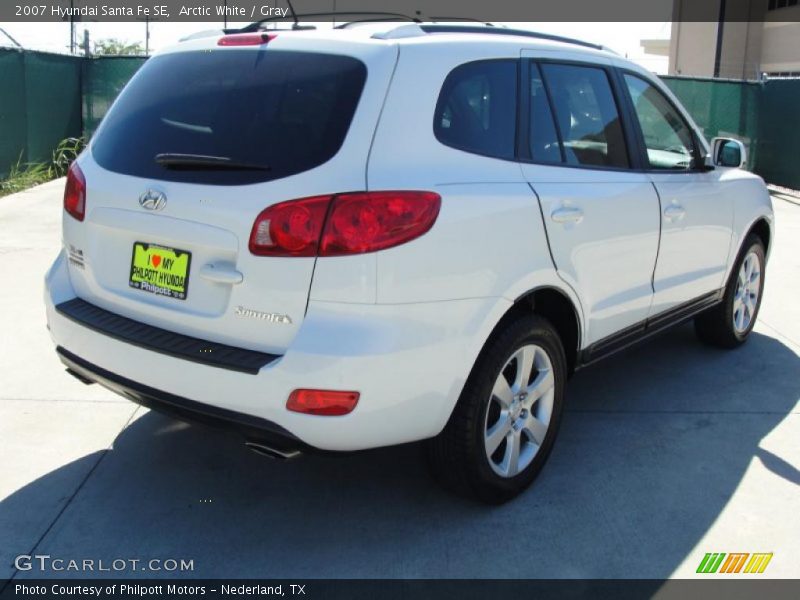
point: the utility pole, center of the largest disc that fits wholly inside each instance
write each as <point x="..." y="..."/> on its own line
<point x="86" y="50"/>
<point x="71" y="27"/>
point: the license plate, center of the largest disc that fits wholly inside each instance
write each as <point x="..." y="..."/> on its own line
<point x="160" y="270"/>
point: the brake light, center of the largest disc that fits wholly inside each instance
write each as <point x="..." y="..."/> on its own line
<point x="75" y="192"/>
<point x="246" y="39"/>
<point x="343" y="224"/>
<point x="290" y="228"/>
<point x="371" y="221"/>
<point x="322" y="402"/>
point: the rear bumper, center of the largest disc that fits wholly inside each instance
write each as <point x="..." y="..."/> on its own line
<point x="409" y="363"/>
<point x="252" y="428"/>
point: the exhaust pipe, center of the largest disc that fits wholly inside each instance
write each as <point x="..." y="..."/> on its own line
<point x="270" y="452"/>
<point x="79" y="377"/>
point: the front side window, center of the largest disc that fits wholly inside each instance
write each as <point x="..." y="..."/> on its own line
<point x="586" y="116"/>
<point x="477" y="108"/>
<point x="667" y="136"/>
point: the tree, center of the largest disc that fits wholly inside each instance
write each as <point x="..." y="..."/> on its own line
<point x="115" y="46"/>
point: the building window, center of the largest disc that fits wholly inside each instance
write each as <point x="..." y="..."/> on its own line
<point x="776" y="4"/>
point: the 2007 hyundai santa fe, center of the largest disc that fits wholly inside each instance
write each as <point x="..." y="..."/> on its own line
<point x="350" y="238"/>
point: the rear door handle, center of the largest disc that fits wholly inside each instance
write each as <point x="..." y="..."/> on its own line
<point x="674" y="212"/>
<point x="221" y="274"/>
<point x="567" y="214"/>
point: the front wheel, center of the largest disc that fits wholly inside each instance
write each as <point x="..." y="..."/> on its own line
<point x="728" y="324"/>
<point x="505" y="422"/>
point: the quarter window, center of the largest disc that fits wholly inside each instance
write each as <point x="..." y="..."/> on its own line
<point x="586" y="116"/>
<point x="477" y="108"/>
<point x="667" y="137"/>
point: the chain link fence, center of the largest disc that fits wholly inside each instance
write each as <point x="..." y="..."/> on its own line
<point x="45" y="98"/>
<point x="40" y="105"/>
<point x="103" y="79"/>
<point x="762" y="114"/>
<point x="48" y="97"/>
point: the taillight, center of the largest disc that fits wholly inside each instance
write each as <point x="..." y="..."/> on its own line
<point x="246" y="39"/>
<point x="322" y="402"/>
<point x="371" y="221"/>
<point x="75" y="192"/>
<point x="343" y="224"/>
<point x="290" y="228"/>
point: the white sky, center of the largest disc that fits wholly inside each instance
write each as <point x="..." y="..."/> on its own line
<point x="624" y="38"/>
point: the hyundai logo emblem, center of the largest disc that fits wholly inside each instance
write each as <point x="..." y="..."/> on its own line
<point x="153" y="200"/>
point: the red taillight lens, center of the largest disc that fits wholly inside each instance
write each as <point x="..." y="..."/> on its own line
<point x="371" y="221"/>
<point x="290" y="228"/>
<point x="322" y="402"/>
<point x="343" y="224"/>
<point x="75" y="192"/>
<point x="246" y="39"/>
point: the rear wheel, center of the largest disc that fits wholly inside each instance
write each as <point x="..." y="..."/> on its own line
<point x="728" y="324"/>
<point x="504" y="425"/>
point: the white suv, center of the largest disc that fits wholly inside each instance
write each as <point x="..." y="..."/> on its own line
<point x="350" y="238"/>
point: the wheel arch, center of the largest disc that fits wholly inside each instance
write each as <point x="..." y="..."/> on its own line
<point x="763" y="230"/>
<point x="558" y="308"/>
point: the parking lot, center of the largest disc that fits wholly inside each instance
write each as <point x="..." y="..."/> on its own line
<point x="666" y="452"/>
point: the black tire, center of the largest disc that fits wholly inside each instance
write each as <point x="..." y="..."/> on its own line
<point x="716" y="326"/>
<point x="457" y="456"/>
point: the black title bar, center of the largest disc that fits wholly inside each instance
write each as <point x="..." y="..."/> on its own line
<point x="245" y="11"/>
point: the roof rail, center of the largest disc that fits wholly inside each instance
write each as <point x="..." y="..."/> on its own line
<point x="375" y="16"/>
<point x="433" y="28"/>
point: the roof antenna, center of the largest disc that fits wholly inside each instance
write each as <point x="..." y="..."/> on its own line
<point x="294" y="15"/>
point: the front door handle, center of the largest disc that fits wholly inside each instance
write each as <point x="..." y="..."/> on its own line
<point x="567" y="214"/>
<point x="674" y="212"/>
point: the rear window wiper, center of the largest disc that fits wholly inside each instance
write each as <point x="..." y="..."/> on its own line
<point x="202" y="162"/>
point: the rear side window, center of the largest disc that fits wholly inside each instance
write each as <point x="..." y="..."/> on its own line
<point x="544" y="145"/>
<point x="586" y="116"/>
<point x="477" y="108"/>
<point x="271" y="113"/>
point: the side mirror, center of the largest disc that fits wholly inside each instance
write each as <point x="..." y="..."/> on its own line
<point x="727" y="152"/>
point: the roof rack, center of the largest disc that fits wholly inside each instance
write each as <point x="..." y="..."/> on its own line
<point x="375" y="16"/>
<point x="434" y="28"/>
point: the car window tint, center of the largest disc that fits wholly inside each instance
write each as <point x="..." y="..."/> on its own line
<point x="288" y="111"/>
<point x="667" y="136"/>
<point x="544" y="146"/>
<point x="586" y="115"/>
<point x="476" y="111"/>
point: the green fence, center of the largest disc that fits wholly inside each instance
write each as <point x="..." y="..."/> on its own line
<point x="40" y="104"/>
<point x="45" y="98"/>
<point x="103" y="80"/>
<point x="779" y="133"/>
<point x="761" y="114"/>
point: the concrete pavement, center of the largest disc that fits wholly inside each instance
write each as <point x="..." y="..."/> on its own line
<point x="666" y="452"/>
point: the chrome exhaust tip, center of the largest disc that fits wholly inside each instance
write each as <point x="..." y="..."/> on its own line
<point x="270" y="452"/>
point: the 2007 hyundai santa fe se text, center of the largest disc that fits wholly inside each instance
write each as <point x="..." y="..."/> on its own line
<point x="350" y="238"/>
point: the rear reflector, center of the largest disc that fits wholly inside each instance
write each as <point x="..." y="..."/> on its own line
<point x="246" y="39"/>
<point x="75" y="192"/>
<point x="322" y="402"/>
<point x="343" y="224"/>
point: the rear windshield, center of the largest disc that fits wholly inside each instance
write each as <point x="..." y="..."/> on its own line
<point x="268" y="113"/>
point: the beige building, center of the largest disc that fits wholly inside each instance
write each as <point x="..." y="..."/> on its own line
<point x="754" y="37"/>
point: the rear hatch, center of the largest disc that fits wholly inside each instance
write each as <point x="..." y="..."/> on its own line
<point x="199" y="143"/>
